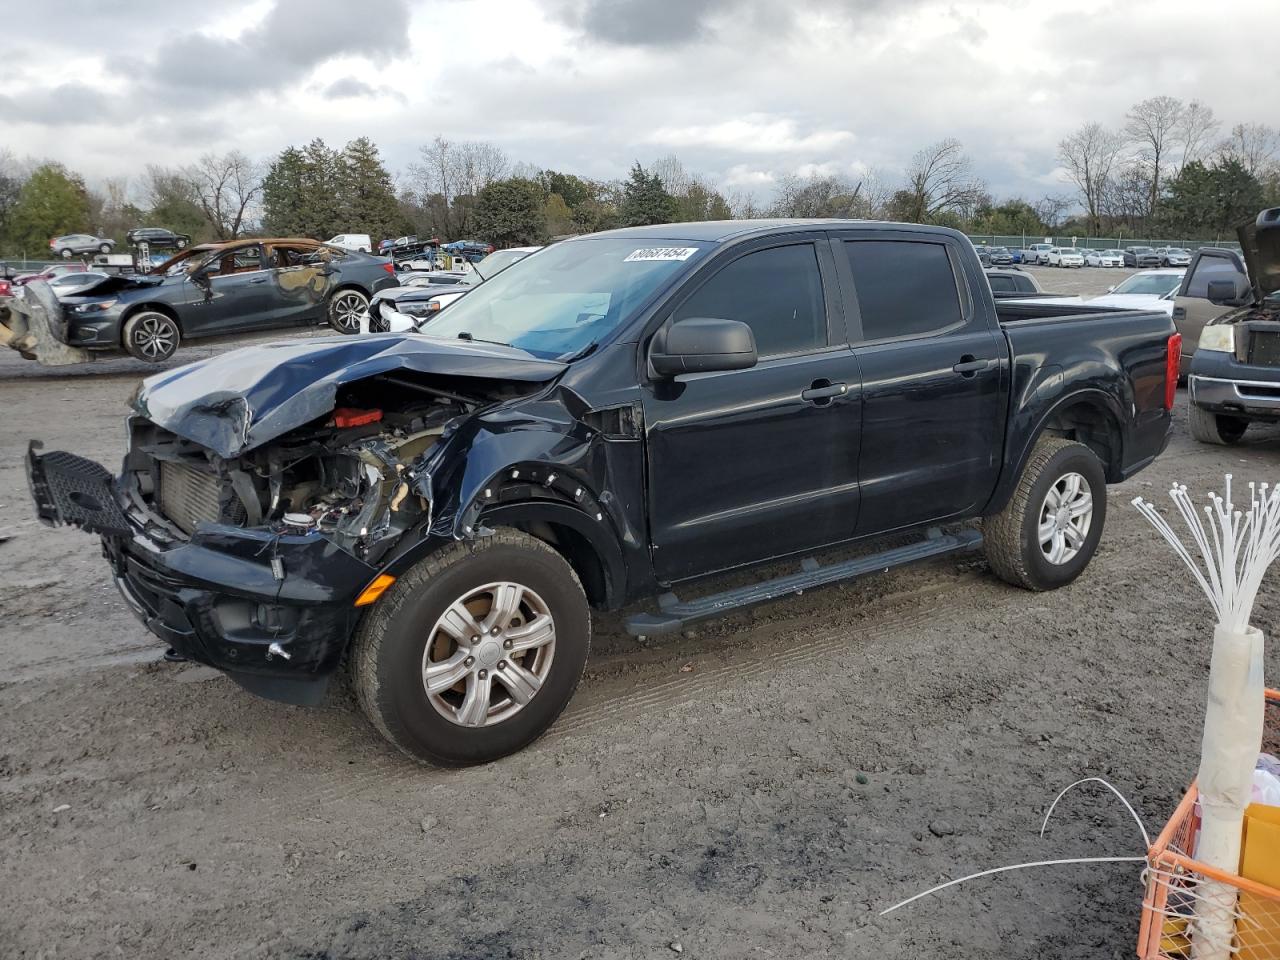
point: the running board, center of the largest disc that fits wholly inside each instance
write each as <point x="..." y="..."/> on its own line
<point x="674" y="614"/>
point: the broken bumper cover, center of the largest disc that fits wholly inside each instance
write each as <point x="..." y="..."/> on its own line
<point x="274" y="611"/>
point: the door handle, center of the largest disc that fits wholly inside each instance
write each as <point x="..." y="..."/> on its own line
<point x="822" y="390"/>
<point x="258" y="280"/>
<point x="969" y="365"/>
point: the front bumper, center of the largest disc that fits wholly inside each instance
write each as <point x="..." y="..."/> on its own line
<point x="1255" y="399"/>
<point x="274" y="611"/>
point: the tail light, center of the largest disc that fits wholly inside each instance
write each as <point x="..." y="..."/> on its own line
<point x="390" y="268"/>
<point x="1172" y="362"/>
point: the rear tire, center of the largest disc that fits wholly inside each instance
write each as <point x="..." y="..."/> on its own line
<point x="404" y="639"/>
<point x="1049" y="530"/>
<point x="65" y="254"/>
<point x="1208" y="427"/>
<point x="345" y="308"/>
<point x="104" y="248"/>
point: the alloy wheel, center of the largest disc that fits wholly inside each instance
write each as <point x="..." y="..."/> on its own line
<point x="489" y="654"/>
<point x="1065" y="517"/>
<point x="155" y="337"/>
<point x="346" y="310"/>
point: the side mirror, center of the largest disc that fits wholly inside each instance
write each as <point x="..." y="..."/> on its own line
<point x="1111" y="289"/>
<point x="1226" y="293"/>
<point x="702" y="344"/>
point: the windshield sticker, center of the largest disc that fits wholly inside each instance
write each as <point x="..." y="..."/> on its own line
<point x="660" y="253"/>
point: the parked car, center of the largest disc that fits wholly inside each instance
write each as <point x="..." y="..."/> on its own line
<point x="222" y="288"/>
<point x="359" y="242"/>
<point x="1065" y="257"/>
<point x="1174" y="257"/>
<point x="408" y="307"/>
<point x="1011" y="282"/>
<point x="1235" y="371"/>
<point x="1146" y="290"/>
<point x="984" y="254"/>
<point x="1000" y="257"/>
<point x="1104" y="258"/>
<point x="598" y="426"/>
<point x="71" y="244"/>
<point x="159" y="237"/>
<point x="48" y="273"/>
<point x="69" y="284"/>
<point x="1039" y="253"/>
<point x="1141" y="257"/>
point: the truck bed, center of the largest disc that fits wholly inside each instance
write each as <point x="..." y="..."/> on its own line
<point x="1019" y="311"/>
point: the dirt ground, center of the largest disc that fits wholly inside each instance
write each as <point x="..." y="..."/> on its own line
<point x="758" y="787"/>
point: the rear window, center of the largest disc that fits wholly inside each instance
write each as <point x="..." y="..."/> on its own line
<point x="905" y="288"/>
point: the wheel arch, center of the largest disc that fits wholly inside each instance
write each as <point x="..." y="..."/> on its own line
<point x="1089" y="417"/>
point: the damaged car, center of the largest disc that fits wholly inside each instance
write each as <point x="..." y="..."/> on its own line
<point x="613" y="420"/>
<point x="223" y="288"/>
<point x="1235" y="372"/>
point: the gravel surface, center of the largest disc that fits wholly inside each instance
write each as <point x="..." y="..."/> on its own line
<point x="759" y="787"/>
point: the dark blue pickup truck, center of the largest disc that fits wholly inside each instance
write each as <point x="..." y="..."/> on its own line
<point x="611" y="419"/>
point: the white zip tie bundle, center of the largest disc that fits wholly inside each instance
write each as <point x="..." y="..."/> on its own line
<point x="1233" y="553"/>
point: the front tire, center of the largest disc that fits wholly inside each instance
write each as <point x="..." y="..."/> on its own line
<point x="151" y="336"/>
<point x="104" y="248"/>
<point x="345" y="309"/>
<point x="474" y="652"/>
<point x="1208" y="427"/>
<point x="64" y="254"/>
<point x="1049" y="530"/>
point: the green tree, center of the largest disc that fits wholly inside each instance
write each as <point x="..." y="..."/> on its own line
<point x="1203" y="201"/>
<point x="171" y="203"/>
<point x="573" y="190"/>
<point x="557" y="216"/>
<point x="302" y="193"/>
<point x="367" y="194"/>
<point x="509" y="213"/>
<point x="51" y="202"/>
<point x="645" y="200"/>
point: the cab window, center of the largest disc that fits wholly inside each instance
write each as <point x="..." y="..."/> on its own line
<point x="777" y="292"/>
<point x="1208" y="269"/>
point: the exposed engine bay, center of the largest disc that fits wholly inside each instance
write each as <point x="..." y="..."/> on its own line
<point x="360" y="475"/>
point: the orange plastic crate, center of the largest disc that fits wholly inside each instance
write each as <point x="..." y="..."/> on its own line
<point x="1173" y="879"/>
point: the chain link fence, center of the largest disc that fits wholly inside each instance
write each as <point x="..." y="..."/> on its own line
<point x="1097" y="243"/>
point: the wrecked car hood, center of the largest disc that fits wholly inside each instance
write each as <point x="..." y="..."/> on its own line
<point x="238" y="400"/>
<point x="1260" y="241"/>
<point x="114" y="284"/>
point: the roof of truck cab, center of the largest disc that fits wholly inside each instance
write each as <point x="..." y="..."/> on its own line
<point x="719" y="231"/>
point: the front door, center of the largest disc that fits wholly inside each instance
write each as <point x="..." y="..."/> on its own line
<point x="239" y="293"/>
<point x="1192" y="308"/>
<point x="749" y="464"/>
<point x="933" y="402"/>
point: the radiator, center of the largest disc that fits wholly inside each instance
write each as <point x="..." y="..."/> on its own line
<point x="188" y="497"/>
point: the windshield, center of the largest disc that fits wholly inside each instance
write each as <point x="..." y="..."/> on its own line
<point x="1153" y="284"/>
<point x="492" y="265"/>
<point x="1141" y="250"/>
<point x="999" y="250"/>
<point x="563" y="299"/>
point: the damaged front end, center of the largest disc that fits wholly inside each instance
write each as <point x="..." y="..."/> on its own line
<point x="246" y="530"/>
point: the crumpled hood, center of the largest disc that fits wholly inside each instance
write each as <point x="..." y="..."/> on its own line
<point x="1260" y="241"/>
<point x="116" y="283"/>
<point x="241" y="399"/>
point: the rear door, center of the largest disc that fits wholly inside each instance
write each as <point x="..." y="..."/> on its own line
<point x="933" y="381"/>
<point x="745" y="465"/>
<point x="1191" y="307"/>
<point x="299" y="281"/>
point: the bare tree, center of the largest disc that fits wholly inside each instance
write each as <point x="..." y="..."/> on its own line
<point x="455" y="172"/>
<point x="225" y="188"/>
<point x="941" y="178"/>
<point x="1152" y="126"/>
<point x="816" y="196"/>
<point x="1088" y="156"/>
<point x="1196" y="131"/>
<point x="1252" y="144"/>
<point x="1051" y="210"/>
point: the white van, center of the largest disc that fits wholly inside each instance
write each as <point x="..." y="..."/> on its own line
<point x="359" y="242"/>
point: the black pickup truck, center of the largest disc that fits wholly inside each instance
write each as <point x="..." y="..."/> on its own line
<point x="610" y="419"/>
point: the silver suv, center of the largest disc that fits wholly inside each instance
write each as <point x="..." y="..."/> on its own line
<point x="70" y="244"/>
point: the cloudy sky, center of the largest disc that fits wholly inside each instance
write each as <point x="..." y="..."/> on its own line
<point x="742" y="91"/>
